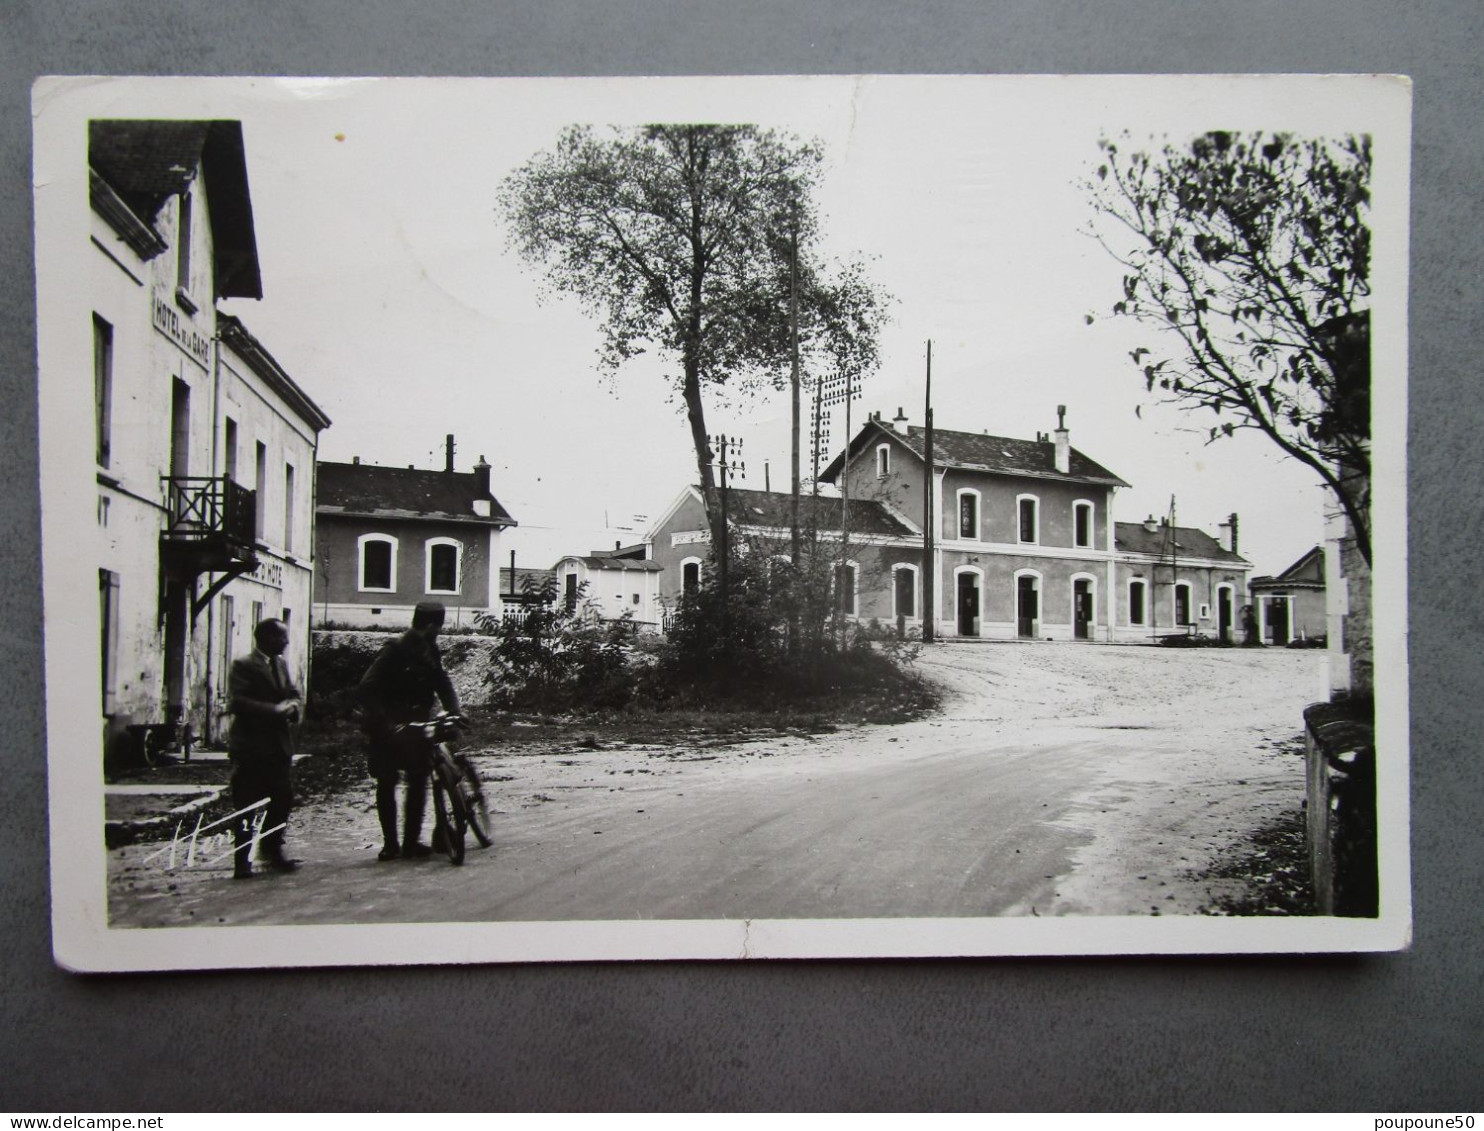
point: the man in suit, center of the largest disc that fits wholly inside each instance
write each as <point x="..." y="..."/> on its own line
<point x="265" y="707"/>
<point x="404" y="684"/>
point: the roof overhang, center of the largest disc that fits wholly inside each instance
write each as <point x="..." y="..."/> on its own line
<point x="235" y="335"/>
<point x="329" y="510"/>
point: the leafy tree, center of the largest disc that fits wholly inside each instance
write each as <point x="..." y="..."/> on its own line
<point x="679" y="238"/>
<point x="1253" y="251"/>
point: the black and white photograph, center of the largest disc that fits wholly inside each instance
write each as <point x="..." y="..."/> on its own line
<point x="561" y="519"/>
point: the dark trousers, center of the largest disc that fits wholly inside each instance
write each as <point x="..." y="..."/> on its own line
<point x="253" y="779"/>
<point x="412" y="810"/>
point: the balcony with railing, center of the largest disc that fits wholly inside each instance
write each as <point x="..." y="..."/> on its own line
<point x="211" y="525"/>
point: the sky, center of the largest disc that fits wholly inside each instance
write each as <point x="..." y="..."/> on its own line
<point x="392" y="298"/>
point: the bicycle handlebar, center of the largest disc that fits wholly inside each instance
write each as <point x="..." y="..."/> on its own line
<point x="443" y="725"/>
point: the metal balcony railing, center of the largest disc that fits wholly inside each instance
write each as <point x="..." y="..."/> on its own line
<point x="210" y="509"/>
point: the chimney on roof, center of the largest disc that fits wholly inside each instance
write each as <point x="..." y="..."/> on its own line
<point x="481" y="476"/>
<point x="1150" y="525"/>
<point x="899" y="422"/>
<point x="448" y="453"/>
<point x="1229" y="533"/>
<point x="1063" y="441"/>
<point x="355" y="459"/>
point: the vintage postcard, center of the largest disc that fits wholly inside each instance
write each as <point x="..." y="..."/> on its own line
<point x="856" y="516"/>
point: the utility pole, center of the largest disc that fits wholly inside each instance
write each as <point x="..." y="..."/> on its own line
<point x="841" y="387"/>
<point x="846" y="595"/>
<point x="819" y="435"/>
<point x="929" y="578"/>
<point x="793" y="335"/>
<point x="726" y="447"/>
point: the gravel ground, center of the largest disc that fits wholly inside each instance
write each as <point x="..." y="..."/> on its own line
<point x="1057" y="780"/>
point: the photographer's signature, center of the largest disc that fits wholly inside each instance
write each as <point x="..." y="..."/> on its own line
<point x="203" y="848"/>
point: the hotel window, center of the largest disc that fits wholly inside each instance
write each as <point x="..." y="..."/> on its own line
<point x="260" y="487"/>
<point x="883" y="462"/>
<point x="108" y="624"/>
<point x="1082" y="525"/>
<point x="183" y="255"/>
<point x="226" y="645"/>
<point x="378" y="554"/>
<point x="690" y="578"/>
<point x="288" y="507"/>
<point x="229" y="442"/>
<point x="103" y="389"/>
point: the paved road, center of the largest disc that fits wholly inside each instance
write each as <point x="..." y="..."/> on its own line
<point x="1059" y="780"/>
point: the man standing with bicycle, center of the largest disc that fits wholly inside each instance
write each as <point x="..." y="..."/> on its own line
<point x="404" y="684"/>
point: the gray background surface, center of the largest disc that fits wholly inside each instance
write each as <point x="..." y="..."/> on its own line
<point x="1399" y="1032"/>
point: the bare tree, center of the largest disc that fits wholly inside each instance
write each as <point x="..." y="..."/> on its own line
<point x="1253" y="252"/>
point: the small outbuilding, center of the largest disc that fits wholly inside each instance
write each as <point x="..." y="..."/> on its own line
<point x="613" y="586"/>
<point x="1291" y="606"/>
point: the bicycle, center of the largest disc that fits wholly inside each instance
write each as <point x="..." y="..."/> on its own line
<point x="459" y="803"/>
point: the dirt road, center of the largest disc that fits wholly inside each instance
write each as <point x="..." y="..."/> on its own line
<point x="1058" y="780"/>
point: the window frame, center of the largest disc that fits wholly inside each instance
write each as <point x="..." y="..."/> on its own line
<point x="288" y="506"/>
<point x="362" y="542"/>
<point x="109" y="590"/>
<point x="883" y="460"/>
<point x="916" y="572"/>
<point x="1035" y="502"/>
<point x="102" y="390"/>
<point x="1078" y="506"/>
<point x="967" y="493"/>
<point x="853" y="568"/>
<point x="184" y="231"/>
<point x="260" y="490"/>
<point x="229" y="447"/>
<point x="1175" y="592"/>
<point x="429" y="546"/>
<point x="1142" y="621"/>
<point x="686" y="563"/>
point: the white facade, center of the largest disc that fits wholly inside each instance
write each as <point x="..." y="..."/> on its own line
<point x="615" y="586"/>
<point x="172" y="612"/>
<point x="256" y="419"/>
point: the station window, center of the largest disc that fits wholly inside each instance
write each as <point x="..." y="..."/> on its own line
<point x="1028" y="508"/>
<point x="1082" y="525"/>
<point x="968" y="514"/>
<point x="1136" y="602"/>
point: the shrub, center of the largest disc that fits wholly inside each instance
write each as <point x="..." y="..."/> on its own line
<point x="560" y="657"/>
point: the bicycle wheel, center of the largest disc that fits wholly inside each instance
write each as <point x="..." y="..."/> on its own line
<point x="472" y="791"/>
<point x="448" y="812"/>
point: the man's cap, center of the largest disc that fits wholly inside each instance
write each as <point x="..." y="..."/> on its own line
<point x="428" y="612"/>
